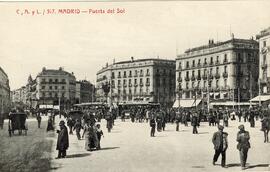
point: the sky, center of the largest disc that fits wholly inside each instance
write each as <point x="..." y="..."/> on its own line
<point x="83" y="43"/>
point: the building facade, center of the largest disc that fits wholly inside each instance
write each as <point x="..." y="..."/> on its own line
<point x="142" y="80"/>
<point x="85" y="92"/>
<point x="223" y="70"/>
<point x="54" y="86"/>
<point x="4" y="92"/>
<point x="264" y="66"/>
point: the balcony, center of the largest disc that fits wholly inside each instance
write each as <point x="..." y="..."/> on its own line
<point x="119" y="85"/>
<point x="119" y="76"/>
<point x="217" y="62"/>
<point x="135" y="85"/>
<point x="199" y="64"/>
<point x="141" y="84"/>
<point x="193" y="78"/>
<point x="179" y="79"/>
<point x="147" y="74"/>
<point x="130" y="75"/>
<point x="113" y="76"/>
<point x="225" y="74"/>
<point x="147" y="84"/>
<point x="225" y="60"/>
<point x="124" y="85"/>
<point x="211" y="63"/>
<point x="136" y="75"/>
<point x="199" y="77"/>
<point x="211" y="76"/>
<point x="130" y="85"/>
<point x="217" y="76"/>
<point x="205" y="64"/>
<point x="124" y="76"/>
<point x="204" y="77"/>
<point x="187" y="78"/>
<point x="264" y="66"/>
<point x="141" y="75"/>
<point x="187" y="66"/>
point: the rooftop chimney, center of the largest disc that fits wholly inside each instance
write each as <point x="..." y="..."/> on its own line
<point x="132" y="59"/>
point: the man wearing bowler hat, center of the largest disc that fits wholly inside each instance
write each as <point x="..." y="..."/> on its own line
<point x="220" y="145"/>
<point x="62" y="140"/>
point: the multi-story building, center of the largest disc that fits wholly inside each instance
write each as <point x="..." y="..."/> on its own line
<point x="142" y="80"/>
<point x="264" y="53"/>
<point x="54" y="86"/>
<point x="4" y="92"/>
<point x="85" y="92"/>
<point x="226" y="70"/>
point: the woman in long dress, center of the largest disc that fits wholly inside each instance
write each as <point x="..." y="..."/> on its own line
<point x="86" y="134"/>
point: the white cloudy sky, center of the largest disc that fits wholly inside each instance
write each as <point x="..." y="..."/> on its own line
<point x="84" y="43"/>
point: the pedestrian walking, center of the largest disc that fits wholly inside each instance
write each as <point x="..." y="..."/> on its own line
<point x="252" y="119"/>
<point x="86" y="134"/>
<point x="62" y="140"/>
<point x="194" y="123"/>
<point x="38" y="119"/>
<point x="70" y="124"/>
<point x="220" y="142"/>
<point x="153" y="126"/>
<point x="225" y="120"/>
<point x="109" y="121"/>
<point x="50" y="124"/>
<point x="243" y="145"/>
<point x="177" y="120"/>
<point x="77" y="128"/>
<point x="265" y="127"/>
<point x="99" y="134"/>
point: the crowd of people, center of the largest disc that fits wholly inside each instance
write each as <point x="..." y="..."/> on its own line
<point x="89" y="125"/>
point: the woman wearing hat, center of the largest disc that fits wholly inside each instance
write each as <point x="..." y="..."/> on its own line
<point x="243" y="145"/>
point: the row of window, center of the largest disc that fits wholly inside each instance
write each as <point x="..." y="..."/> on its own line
<point x="130" y="82"/>
<point x="51" y="87"/>
<point x="204" y="84"/>
<point x="139" y="73"/>
<point x="54" y="80"/>
<point x="136" y="73"/>
<point x="240" y="58"/>
<point x="50" y="94"/>
<point x="199" y="63"/>
<point x="205" y="72"/>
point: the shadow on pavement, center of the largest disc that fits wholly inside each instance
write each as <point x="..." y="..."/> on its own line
<point x="258" y="165"/>
<point x="234" y="165"/>
<point x="78" y="155"/>
<point x="203" y="132"/>
<point x="108" y="148"/>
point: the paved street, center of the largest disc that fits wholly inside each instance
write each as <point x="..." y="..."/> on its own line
<point x="130" y="148"/>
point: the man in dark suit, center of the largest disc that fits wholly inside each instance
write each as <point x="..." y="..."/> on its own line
<point x="243" y="145"/>
<point x="62" y="140"/>
<point x="195" y="123"/>
<point x="220" y="145"/>
<point x="153" y="126"/>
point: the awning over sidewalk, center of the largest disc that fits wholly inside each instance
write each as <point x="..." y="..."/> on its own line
<point x="187" y="103"/>
<point x="262" y="98"/>
<point x="231" y="103"/>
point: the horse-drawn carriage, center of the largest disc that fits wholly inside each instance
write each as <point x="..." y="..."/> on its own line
<point x="17" y="121"/>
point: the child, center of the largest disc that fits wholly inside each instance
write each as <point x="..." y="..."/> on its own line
<point x="99" y="134"/>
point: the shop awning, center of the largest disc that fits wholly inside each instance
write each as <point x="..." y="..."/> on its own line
<point x="231" y="103"/>
<point x="187" y="103"/>
<point x="262" y="98"/>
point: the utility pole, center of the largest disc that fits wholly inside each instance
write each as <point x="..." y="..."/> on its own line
<point x="208" y="93"/>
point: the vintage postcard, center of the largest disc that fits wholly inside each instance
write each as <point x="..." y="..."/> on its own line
<point x="134" y="86"/>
